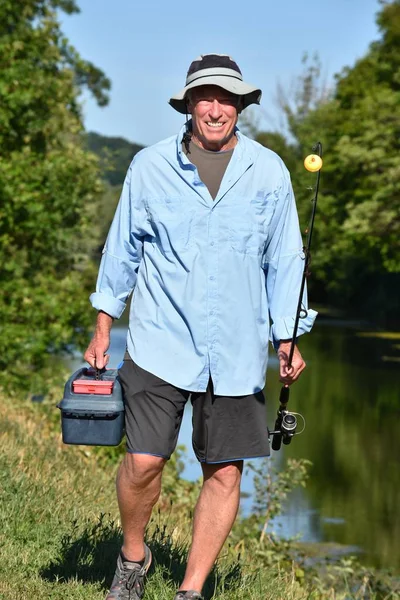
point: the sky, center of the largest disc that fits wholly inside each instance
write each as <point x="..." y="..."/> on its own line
<point x="145" y="47"/>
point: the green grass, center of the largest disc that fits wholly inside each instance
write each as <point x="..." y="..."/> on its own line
<point x="59" y="530"/>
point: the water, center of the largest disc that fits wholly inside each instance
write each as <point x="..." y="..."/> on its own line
<point x="350" y="398"/>
<point x="349" y="395"/>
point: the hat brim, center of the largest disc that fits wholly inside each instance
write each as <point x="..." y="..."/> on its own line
<point x="249" y="93"/>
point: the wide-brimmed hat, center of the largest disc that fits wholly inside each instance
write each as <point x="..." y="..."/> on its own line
<point x="220" y="70"/>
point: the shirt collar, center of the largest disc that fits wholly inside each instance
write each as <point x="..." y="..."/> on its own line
<point x="242" y="150"/>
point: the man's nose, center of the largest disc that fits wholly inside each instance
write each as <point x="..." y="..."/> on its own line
<point x="215" y="109"/>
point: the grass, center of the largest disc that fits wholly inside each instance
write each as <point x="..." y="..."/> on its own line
<point x="59" y="530"/>
<point x="60" y="535"/>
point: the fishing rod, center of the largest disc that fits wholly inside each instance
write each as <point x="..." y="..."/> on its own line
<point x="286" y="422"/>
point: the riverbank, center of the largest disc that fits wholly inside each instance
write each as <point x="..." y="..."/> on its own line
<point x="59" y="523"/>
<point x="60" y="532"/>
<point x="349" y="398"/>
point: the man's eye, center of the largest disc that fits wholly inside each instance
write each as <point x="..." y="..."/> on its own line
<point x="220" y="100"/>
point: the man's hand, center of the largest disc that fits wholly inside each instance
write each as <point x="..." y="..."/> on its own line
<point x="95" y="354"/>
<point x="288" y="376"/>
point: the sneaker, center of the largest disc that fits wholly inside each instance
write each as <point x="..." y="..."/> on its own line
<point x="128" y="582"/>
<point x="189" y="595"/>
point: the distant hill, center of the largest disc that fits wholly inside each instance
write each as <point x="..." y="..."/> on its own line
<point x="115" y="153"/>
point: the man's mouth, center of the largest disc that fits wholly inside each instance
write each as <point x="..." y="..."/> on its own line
<point x="215" y="125"/>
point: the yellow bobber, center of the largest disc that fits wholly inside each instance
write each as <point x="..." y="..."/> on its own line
<point x="313" y="162"/>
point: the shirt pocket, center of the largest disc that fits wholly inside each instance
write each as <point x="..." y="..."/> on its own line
<point x="249" y="223"/>
<point x="172" y="222"/>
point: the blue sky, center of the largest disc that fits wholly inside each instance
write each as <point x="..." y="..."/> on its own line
<point x="145" y="48"/>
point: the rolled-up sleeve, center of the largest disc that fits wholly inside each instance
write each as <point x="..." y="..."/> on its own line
<point x="122" y="253"/>
<point x="284" y="265"/>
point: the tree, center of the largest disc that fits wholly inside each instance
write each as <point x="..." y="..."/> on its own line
<point x="48" y="187"/>
<point x="362" y="185"/>
<point x="356" y="257"/>
<point x="116" y="154"/>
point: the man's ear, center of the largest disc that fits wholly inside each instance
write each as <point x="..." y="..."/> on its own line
<point x="188" y="106"/>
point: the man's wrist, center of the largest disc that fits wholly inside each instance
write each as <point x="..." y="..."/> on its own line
<point x="289" y="341"/>
<point x="104" y="323"/>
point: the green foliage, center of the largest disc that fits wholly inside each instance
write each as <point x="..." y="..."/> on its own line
<point x="115" y="155"/>
<point x="346" y="578"/>
<point x="324" y="576"/>
<point x="278" y="143"/>
<point x="48" y="187"/>
<point x="356" y="257"/>
<point x="60" y="535"/>
<point x="271" y="489"/>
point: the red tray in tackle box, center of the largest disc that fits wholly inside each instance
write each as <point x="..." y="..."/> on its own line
<point x="89" y="385"/>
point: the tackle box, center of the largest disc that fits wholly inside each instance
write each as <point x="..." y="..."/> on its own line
<point x="92" y="410"/>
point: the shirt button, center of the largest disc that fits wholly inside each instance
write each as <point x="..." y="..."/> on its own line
<point x="211" y="312"/>
<point x="212" y="277"/>
<point x="212" y="243"/>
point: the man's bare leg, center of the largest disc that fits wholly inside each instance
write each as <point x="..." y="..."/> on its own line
<point x="138" y="489"/>
<point x="215" y="513"/>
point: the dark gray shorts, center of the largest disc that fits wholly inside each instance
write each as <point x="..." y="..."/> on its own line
<point x="225" y="428"/>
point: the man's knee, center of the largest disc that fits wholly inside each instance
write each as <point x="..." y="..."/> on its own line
<point x="225" y="475"/>
<point x="141" y="470"/>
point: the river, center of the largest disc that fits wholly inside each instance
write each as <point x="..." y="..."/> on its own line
<point x="349" y="396"/>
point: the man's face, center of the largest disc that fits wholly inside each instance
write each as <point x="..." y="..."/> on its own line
<point x="214" y="114"/>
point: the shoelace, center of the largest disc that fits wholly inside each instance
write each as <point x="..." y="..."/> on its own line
<point x="135" y="580"/>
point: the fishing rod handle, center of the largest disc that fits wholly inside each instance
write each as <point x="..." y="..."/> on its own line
<point x="284" y="396"/>
<point x="283" y="400"/>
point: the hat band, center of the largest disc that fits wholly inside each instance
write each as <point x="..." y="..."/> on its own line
<point x="212" y="73"/>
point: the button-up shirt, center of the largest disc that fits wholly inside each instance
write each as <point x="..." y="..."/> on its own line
<point x="212" y="280"/>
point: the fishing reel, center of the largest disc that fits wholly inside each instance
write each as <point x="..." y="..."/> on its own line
<point x="285" y="429"/>
<point x="285" y="424"/>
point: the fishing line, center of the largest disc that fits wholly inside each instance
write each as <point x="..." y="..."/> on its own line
<point x="286" y="422"/>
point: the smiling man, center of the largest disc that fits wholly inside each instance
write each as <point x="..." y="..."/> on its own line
<point x="215" y="113"/>
<point x="206" y="235"/>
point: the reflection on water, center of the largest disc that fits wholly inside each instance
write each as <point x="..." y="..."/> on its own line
<point x="349" y="397"/>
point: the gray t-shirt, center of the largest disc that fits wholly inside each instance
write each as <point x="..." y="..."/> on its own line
<point x="210" y="165"/>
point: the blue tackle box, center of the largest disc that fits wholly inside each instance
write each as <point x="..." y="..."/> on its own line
<point x="92" y="409"/>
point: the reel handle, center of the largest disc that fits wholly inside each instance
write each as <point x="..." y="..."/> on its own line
<point x="277" y="437"/>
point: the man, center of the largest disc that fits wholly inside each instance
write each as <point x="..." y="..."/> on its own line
<point x="206" y="234"/>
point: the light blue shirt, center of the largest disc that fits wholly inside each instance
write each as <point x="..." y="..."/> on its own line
<point x="213" y="280"/>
